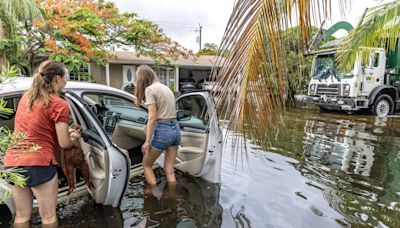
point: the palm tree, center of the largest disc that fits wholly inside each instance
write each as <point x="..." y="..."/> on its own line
<point x="13" y="12"/>
<point x="380" y="26"/>
<point x="251" y="83"/>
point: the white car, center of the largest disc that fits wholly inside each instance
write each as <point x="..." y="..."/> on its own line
<point x="114" y="131"/>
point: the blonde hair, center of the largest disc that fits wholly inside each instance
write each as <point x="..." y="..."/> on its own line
<point x="42" y="86"/>
<point x="145" y="76"/>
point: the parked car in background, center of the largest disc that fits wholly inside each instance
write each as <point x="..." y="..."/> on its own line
<point x="114" y="131"/>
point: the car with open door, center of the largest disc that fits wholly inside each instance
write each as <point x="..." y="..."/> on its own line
<point x="114" y="130"/>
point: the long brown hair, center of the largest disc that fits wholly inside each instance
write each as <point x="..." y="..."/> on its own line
<point x="42" y="86"/>
<point x="145" y="76"/>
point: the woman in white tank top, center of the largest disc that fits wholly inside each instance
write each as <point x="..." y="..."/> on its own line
<point x="163" y="132"/>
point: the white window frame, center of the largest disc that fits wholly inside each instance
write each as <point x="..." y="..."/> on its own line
<point x="72" y="77"/>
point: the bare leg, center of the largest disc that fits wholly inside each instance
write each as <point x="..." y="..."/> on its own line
<point x="23" y="199"/>
<point x="147" y="162"/>
<point x="46" y="195"/>
<point x="169" y="162"/>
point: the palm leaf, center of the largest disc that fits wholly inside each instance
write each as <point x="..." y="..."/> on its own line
<point x="251" y="83"/>
<point x="379" y="27"/>
<point x="14" y="11"/>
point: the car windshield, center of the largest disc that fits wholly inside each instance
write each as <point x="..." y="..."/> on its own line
<point x="325" y="66"/>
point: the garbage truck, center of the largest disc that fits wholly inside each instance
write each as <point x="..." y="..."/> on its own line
<point x="372" y="85"/>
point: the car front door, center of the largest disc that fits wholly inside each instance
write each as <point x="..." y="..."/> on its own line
<point x="200" y="151"/>
<point x="109" y="167"/>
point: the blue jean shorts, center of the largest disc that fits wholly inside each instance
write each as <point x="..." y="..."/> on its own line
<point x="166" y="134"/>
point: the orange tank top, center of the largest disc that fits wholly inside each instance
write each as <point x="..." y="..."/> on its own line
<point x="38" y="125"/>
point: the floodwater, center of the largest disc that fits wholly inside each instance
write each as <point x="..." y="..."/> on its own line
<point x="321" y="170"/>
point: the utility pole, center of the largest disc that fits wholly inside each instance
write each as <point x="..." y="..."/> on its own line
<point x="199" y="37"/>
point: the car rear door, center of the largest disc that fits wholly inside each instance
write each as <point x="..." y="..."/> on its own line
<point x="109" y="167"/>
<point x="200" y="151"/>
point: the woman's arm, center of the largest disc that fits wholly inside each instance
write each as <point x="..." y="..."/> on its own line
<point x="64" y="137"/>
<point x="151" y="123"/>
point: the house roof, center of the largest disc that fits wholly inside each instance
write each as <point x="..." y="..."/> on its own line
<point x="132" y="57"/>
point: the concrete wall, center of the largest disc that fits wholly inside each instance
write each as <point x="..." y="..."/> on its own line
<point x="98" y="73"/>
<point x="116" y="75"/>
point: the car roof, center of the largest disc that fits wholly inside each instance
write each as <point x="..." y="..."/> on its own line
<point x="19" y="84"/>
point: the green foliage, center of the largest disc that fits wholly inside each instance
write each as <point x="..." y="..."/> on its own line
<point x="209" y="49"/>
<point x="379" y="27"/>
<point x="9" y="139"/>
<point x="4" y="111"/>
<point x="78" y="32"/>
<point x="297" y="66"/>
<point x="8" y="71"/>
<point x="12" y="12"/>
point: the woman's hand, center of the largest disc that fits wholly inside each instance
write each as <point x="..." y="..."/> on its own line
<point x="74" y="134"/>
<point x="145" y="148"/>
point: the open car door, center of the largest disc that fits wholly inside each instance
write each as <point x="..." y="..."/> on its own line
<point x="109" y="167"/>
<point x="200" y="152"/>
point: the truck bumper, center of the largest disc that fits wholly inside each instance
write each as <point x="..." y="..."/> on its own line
<point x="346" y="104"/>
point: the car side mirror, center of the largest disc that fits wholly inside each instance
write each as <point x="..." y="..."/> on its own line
<point x="183" y="115"/>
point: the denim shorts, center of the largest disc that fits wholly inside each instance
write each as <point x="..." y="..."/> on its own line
<point x="166" y="134"/>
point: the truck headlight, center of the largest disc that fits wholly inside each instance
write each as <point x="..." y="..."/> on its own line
<point x="312" y="89"/>
<point x="346" y="90"/>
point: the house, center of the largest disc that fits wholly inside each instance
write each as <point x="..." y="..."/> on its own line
<point x="120" y="71"/>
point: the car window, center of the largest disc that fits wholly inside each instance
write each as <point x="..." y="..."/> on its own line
<point x="104" y="105"/>
<point x="197" y="105"/>
<point x="11" y="104"/>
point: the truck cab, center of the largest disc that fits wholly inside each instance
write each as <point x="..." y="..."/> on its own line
<point x="373" y="83"/>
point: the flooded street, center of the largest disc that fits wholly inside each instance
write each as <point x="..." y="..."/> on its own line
<point x="321" y="170"/>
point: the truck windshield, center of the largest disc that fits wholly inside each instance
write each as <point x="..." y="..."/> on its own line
<point x="325" y="66"/>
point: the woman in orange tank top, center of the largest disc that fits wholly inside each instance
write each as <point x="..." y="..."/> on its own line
<point x="43" y="117"/>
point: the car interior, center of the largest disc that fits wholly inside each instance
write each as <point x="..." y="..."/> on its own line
<point x="125" y="124"/>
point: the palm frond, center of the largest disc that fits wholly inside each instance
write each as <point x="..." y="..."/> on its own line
<point x="251" y="83"/>
<point x="4" y="111"/>
<point x="14" y="11"/>
<point x="379" y="27"/>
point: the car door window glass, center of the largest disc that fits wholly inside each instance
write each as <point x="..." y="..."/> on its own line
<point x="10" y="103"/>
<point x="197" y="105"/>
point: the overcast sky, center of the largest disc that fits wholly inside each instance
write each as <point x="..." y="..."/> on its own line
<point x="180" y="18"/>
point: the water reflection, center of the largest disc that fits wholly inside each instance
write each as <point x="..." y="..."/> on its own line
<point x="160" y="204"/>
<point x="355" y="161"/>
<point x="191" y="202"/>
<point x="320" y="170"/>
<point x="343" y="145"/>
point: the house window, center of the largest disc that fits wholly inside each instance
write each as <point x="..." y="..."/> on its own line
<point x="162" y="75"/>
<point x="81" y="75"/>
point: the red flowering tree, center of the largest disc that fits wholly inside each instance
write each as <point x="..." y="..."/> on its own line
<point x="76" y="32"/>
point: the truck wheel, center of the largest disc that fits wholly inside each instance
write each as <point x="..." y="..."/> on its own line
<point x="382" y="106"/>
